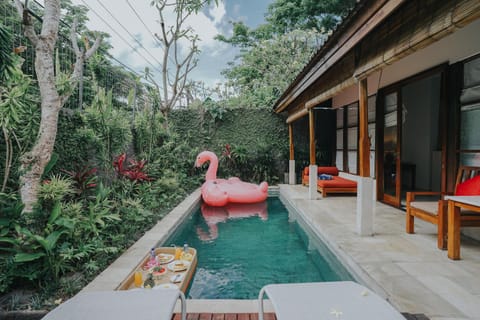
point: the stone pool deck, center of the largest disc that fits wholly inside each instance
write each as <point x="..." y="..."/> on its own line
<point x="406" y="269"/>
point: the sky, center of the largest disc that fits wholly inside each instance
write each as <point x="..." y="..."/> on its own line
<point x="117" y="18"/>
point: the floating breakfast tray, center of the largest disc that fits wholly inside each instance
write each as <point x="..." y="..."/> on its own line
<point x="167" y="272"/>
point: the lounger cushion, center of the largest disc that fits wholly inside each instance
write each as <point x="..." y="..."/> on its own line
<point x="470" y="187"/>
<point x="333" y="171"/>
<point x="337" y="182"/>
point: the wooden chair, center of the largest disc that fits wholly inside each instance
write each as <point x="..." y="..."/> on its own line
<point x="436" y="211"/>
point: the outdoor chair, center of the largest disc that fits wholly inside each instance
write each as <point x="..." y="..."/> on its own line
<point x="141" y="304"/>
<point x="435" y="211"/>
<point x="326" y="300"/>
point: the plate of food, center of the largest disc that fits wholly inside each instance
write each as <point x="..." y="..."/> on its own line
<point x="178" y="277"/>
<point x="178" y="265"/>
<point x="158" y="271"/>
<point x="164" y="258"/>
<point x="186" y="256"/>
<point x="165" y="286"/>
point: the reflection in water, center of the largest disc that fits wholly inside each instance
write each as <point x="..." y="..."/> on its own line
<point x="215" y="215"/>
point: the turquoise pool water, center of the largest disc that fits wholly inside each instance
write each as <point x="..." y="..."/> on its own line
<point x="242" y="248"/>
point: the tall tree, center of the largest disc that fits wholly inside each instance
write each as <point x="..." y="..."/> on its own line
<point x="55" y="89"/>
<point x="180" y="48"/>
<point x="287" y="15"/>
<point x="270" y="65"/>
<point x="272" y="54"/>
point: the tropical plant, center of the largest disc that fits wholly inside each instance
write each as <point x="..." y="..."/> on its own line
<point x="56" y="188"/>
<point x="15" y="103"/>
<point x="6" y="55"/>
<point x="134" y="171"/>
<point x="109" y="124"/>
<point x="85" y="178"/>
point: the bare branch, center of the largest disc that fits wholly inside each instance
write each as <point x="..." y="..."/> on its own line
<point x="27" y="22"/>
<point x="73" y="38"/>
<point x="94" y="48"/>
<point x="81" y="57"/>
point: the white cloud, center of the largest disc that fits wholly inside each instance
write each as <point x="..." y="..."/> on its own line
<point x="218" y="13"/>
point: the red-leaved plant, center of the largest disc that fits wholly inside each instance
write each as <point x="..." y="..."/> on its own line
<point x="85" y="178"/>
<point x="134" y="171"/>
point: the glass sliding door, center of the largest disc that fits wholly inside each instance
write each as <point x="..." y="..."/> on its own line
<point x="391" y="148"/>
<point x="470" y="114"/>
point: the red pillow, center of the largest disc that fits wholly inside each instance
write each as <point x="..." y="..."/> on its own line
<point x="333" y="171"/>
<point x="470" y="187"/>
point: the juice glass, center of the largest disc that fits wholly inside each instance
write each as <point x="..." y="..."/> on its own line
<point x="138" y="279"/>
<point x="178" y="253"/>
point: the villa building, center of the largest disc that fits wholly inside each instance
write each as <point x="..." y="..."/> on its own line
<point x="401" y="81"/>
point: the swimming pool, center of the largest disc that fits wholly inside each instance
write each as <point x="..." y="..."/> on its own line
<point x="242" y="248"/>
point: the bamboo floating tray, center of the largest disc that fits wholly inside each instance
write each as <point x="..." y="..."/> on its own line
<point x="168" y="271"/>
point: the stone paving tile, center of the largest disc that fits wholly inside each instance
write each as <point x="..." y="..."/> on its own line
<point x="408" y="269"/>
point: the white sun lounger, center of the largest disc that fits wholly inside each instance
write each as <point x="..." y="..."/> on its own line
<point x="326" y="300"/>
<point x="121" y="305"/>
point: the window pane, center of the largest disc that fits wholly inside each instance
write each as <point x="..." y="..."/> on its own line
<point x="371" y="135"/>
<point x="339" y="160"/>
<point x="340" y="118"/>
<point x="471" y="74"/>
<point x="352" y="114"/>
<point x="391" y="102"/>
<point x="352" y="161"/>
<point x="353" y="138"/>
<point x="371" y="108"/>
<point x="470" y="128"/>
<point x="372" y="164"/>
<point x="470" y="159"/>
<point x="340" y="139"/>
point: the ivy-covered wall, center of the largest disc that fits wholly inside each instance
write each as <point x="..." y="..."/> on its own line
<point x="258" y="135"/>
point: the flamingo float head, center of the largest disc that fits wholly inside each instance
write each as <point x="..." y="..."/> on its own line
<point x="205" y="156"/>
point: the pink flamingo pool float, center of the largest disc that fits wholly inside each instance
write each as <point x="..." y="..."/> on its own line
<point x="219" y="192"/>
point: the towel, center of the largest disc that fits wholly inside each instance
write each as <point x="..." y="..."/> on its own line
<point x="324" y="176"/>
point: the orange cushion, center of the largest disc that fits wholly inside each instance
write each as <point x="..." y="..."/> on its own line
<point x="470" y="187"/>
<point x="328" y="170"/>
<point x="320" y="170"/>
<point x="337" y="182"/>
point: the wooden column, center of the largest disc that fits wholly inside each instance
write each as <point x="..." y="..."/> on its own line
<point x="311" y="125"/>
<point x="364" y="141"/>
<point x="365" y="210"/>
<point x="292" y="179"/>
<point x="290" y="135"/>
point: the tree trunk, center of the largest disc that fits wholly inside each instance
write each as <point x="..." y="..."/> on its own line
<point x="35" y="161"/>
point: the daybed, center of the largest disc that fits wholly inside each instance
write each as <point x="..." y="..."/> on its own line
<point x="337" y="184"/>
